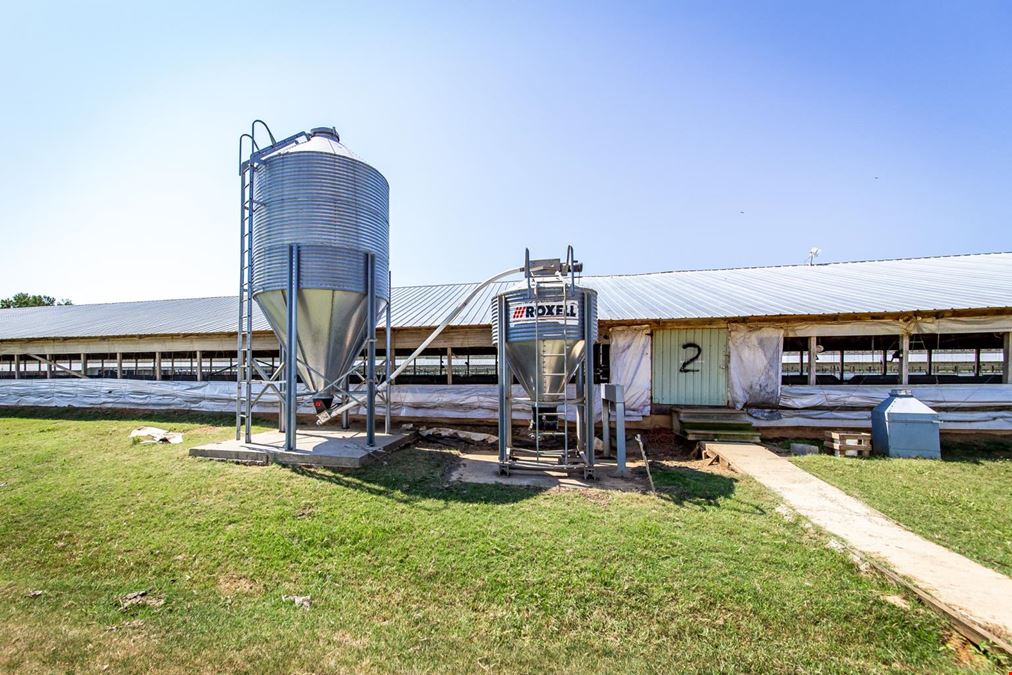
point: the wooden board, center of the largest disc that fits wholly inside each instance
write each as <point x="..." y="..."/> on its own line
<point x="848" y="437"/>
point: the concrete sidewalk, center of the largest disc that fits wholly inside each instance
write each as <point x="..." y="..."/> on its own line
<point x="982" y="595"/>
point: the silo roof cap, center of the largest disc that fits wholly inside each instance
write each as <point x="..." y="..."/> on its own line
<point x="321" y="139"/>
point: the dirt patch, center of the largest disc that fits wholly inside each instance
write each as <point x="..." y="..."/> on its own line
<point x="236" y="584"/>
<point x="26" y="646"/>
<point x="346" y="639"/>
<point x="599" y="497"/>
<point x="661" y="444"/>
<point x="964" y="652"/>
<point x="897" y="600"/>
<point x="144" y="598"/>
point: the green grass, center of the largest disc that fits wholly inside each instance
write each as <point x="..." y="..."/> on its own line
<point x="963" y="502"/>
<point x="409" y="572"/>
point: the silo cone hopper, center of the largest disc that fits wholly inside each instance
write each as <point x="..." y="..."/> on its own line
<point x="331" y="332"/>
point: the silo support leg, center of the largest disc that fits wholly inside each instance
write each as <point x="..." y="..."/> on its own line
<point x="292" y="348"/>
<point x="370" y="362"/>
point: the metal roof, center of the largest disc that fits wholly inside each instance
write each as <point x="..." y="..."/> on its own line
<point x="978" y="281"/>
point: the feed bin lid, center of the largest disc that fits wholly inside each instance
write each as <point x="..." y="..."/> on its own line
<point x="321" y="139"/>
<point x="902" y="404"/>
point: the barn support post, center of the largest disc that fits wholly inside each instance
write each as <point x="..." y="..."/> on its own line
<point x="1006" y="359"/>
<point x="813" y="345"/>
<point x="84" y="364"/>
<point x="17" y="365"/>
<point x="449" y="365"/>
<point x="158" y="365"/>
<point x="905" y="358"/>
<point x="119" y="365"/>
<point x="200" y="366"/>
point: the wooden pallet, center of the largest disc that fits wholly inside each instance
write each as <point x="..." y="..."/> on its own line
<point x="848" y="443"/>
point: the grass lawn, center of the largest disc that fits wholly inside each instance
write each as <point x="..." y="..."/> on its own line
<point x="963" y="502"/>
<point x="408" y="572"/>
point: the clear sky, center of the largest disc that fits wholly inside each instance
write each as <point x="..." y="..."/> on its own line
<point x="653" y="137"/>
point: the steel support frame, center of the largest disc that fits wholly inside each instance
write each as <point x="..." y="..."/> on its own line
<point x="505" y="377"/>
<point x="291" y="403"/>
<point x="587" y="372"/>
<point x="370" y="363"/>
<point x="388" y="360"/>
<point x="613" y="395"/>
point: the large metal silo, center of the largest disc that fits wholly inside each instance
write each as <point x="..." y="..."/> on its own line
<point x="315" y="252"/>
<point x="316" y="193"/>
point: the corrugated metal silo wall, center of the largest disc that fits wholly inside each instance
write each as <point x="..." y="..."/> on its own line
<point x="681" y="379"/>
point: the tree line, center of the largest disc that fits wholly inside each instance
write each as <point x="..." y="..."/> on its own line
<point x="31" y="300"/>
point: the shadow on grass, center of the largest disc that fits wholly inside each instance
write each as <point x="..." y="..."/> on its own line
<point x="685" y="486"/>
<point x="977" y="450"/>
<point x="419" y="478"/>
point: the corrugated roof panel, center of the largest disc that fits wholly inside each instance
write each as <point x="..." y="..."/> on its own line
<point x="918" y="284"/>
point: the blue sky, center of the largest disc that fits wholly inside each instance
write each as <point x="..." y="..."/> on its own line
<point x="651" y="136"/>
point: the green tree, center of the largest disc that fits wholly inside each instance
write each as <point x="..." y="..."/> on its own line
<point x="31" y="300"/>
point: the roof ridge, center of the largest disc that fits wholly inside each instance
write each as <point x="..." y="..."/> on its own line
<point x="126" y="302"/>
<point x="586" y="276"/>
<point x="784" y="266"/>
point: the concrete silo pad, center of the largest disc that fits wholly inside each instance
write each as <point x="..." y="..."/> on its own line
<point x="339" y="448"/>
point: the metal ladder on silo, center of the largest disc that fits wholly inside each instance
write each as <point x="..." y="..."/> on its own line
<point x="562" y="458"/>
<point x="244" y="341"/>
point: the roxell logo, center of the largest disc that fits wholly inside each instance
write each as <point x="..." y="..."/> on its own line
<point x="528" y="312"/>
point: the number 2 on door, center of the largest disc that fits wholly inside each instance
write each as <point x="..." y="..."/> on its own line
<point x="692" y="359"/>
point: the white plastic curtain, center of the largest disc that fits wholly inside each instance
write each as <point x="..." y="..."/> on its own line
<point x="461" y="401"/>
<point x="630" y="367"/>
<point x="754" y="366"/>
<point x="867" y="396"/>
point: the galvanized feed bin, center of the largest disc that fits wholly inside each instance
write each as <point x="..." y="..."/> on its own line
<point x="902" y="426"/>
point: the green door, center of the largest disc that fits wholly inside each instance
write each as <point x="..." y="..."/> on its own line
<point x="690" y="366"/>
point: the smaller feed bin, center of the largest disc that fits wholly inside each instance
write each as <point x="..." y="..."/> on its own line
<point x="902" y="426"/>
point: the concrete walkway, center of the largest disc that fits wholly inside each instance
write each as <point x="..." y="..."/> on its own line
<point x="981" y="595"/>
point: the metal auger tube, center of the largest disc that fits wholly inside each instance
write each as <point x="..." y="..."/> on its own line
<point x="328" y="415"/>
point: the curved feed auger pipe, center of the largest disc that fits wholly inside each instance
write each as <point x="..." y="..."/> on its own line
<point x="328" y="415"/>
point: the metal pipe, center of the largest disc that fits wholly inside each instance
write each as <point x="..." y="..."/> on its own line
<point x="389" y="355"/>
<point x="505" y="385"/>
<point x="345" y="416"/>
<point x="370" y="363"/>
<point x="588" y="374"/>
<point x="291" y="347"/>
<point x="282" y="355"/>
<point x="605" y="424"/>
